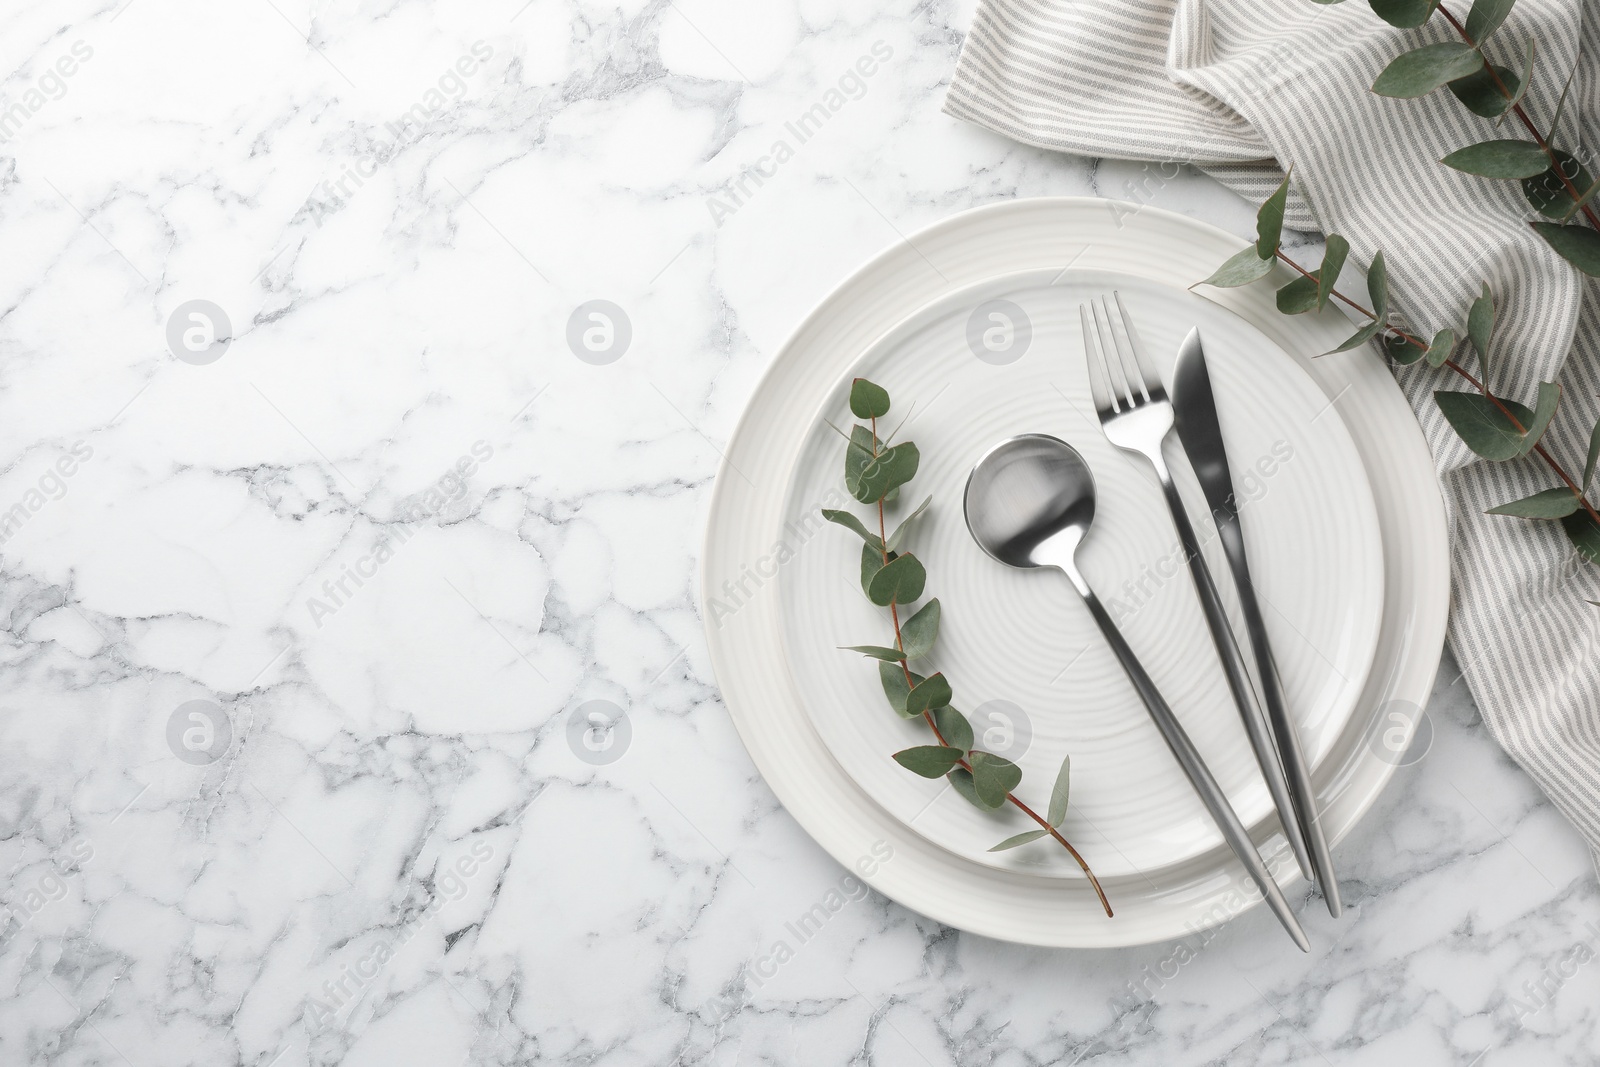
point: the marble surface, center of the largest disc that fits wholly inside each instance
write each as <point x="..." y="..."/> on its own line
<point x="300" y="605"/>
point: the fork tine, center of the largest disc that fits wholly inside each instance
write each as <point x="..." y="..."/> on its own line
<point x="1125" y="359"/>
<point x="1147" y="370"/>
<point x="1099" y="379"/>
<point x="1111" y="346"/>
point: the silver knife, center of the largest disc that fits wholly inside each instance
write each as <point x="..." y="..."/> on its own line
<point x="1200" y="433"/>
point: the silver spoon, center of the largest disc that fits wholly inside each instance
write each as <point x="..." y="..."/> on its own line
<point x="1029" y="503"/>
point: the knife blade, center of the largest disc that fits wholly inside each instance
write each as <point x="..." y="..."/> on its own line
<point x="1200" y="433"/>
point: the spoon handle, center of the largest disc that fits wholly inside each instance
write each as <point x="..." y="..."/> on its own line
<point x="1188" y="758"/>
<point x="1256" y="727"/>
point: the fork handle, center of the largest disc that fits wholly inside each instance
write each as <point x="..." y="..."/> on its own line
<point x="1211" y="794"/>
<point x="1244" y="696"/>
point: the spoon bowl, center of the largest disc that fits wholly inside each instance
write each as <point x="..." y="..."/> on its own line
<point x="1029" y="501"/>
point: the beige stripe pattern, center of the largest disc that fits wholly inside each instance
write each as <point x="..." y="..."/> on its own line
<point x="1246" y="88"/>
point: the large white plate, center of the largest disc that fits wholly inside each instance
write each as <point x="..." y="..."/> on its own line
<point x="746" y="546"/>
<point x="1030" y="666"/>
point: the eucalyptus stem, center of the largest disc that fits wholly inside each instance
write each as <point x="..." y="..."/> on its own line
<point x="1522" y="115"/>
<point x="927" y="715"/>
<point x="1476" y="383"/>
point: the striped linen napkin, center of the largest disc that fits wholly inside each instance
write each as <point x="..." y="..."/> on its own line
<point x="1243" y="89"/>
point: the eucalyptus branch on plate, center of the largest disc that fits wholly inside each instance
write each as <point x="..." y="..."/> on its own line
<point x="874" y="472"/>
<point x="1554" y="182"/>
<point x="1492" y="426"/>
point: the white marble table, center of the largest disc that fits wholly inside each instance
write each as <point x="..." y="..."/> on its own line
<point x="295" y="623"/>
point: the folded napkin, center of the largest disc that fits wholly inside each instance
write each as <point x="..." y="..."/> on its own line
<point x="1246" y="88"/>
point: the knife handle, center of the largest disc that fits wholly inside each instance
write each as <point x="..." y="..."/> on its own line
<point x="1295" y="767"/>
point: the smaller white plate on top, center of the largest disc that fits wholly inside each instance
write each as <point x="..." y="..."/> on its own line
<point x="1028" y="665"/>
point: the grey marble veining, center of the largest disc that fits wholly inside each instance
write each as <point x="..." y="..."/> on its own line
<point x="296" y="625"/>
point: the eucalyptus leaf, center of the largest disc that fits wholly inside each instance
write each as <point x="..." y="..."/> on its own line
<point x="871" y="564"/>
<point x="1406" y="14"/>
<point x="899" y="426"/>
<point x="1299" y="296"/>
<point x="1594" y="457"/>
<point x="1544" y="410"/>
<point x="855" y="525"/>
<point x="1551" y="504"/>
<point x="887" y="472"/>
<point x="864" y="445"/>
<point x="1058" y="793"/>
<point x="918" y="632"/>
<point x="1378" y="287"/>
<point x="993" y="776"/>
<point x="931" y="692"/>
<point x="1482" y="425"/>
<point x="1486" y="17"/>
<point x="1561" y="102"/>
<point x="1020" y="839"/>
<point x="1241" y="269"/>
<point x="1584" y="196"/>
<point x="1422" y="70"/>
<point x="1584" y="535"/>
<point x="1548" y="190"/>
<point x="1499" y="159"/>
<point x="961" y="778"/>
<point x="1402" y="351"/>
<point x="953" y="727"/>
<point x="1269" y="220"/>
<point x="930" y="761"/>
<point x="1333" y="257"/>
<point x="1578" y="245"/>
<point x="1441" y="347"/>
<point x="883" y="652"/>
<point x="898" y="538"/>
<point x="900" y="582"/>
<point x="1378" y="290"/>
<point x="1360" y="337"/>
<point x="1518" y="83"/>
<point x="1480" y="93"/>
<point x="893" y="677"/>
<point x="867" y="400"/>
<point x="1480" y="327"/>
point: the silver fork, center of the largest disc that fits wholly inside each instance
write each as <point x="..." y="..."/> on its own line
<point x="1137" y="417"/>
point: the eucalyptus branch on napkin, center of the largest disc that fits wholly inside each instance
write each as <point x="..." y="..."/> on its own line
<point x="1553" y="181"/>
<point x="874" y="472"/>
<point x="1494" y="427"/>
